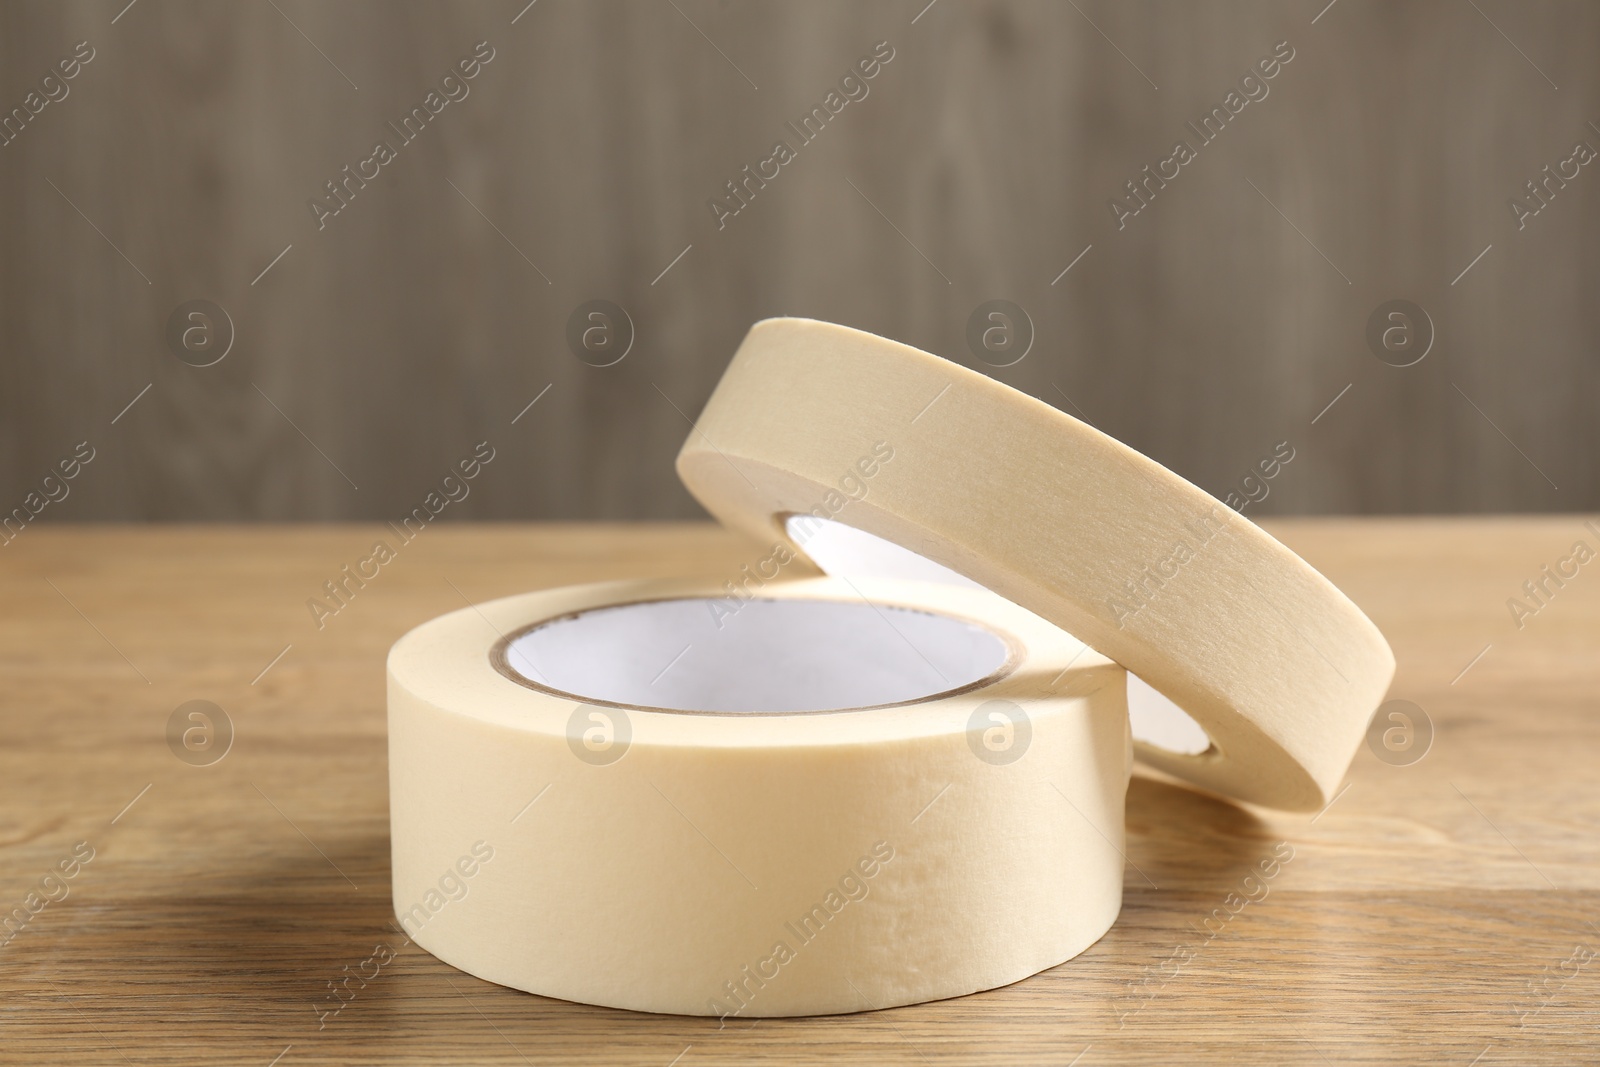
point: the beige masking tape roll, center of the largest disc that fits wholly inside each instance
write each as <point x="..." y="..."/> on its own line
<point x="1274" y="662"/>
<point x="832" y="797"/>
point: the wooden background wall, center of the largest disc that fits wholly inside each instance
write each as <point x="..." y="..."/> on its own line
<point x="426" y="315"/>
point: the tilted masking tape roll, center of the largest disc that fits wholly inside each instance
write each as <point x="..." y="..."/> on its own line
<point x="1275" y="663"/>
<point x="616" y="794"/>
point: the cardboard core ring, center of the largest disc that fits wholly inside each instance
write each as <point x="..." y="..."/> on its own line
<point x="760" y="656"/>
<point x="843" y="551"/>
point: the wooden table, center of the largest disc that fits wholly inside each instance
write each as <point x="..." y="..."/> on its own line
<point x="1435" y="912"/>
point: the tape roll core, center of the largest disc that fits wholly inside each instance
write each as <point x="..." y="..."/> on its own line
<point x="757" y="656"/>
<point x="844" y="551"/>
<point x="765" y="864"/>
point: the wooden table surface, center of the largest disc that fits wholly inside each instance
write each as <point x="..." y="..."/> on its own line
<point x="1441" y="912"/>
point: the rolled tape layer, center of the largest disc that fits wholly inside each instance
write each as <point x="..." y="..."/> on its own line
<point x="718" y="861"/>
<point x="1274" y="662"/>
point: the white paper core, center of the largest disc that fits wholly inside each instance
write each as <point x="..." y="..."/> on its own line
<point x="770" y="656"/>
<point x="847" y="552"/>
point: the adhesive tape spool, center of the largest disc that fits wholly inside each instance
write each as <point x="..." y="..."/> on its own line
<point x="841" y="797"/>
<point x="1279" y="667"/>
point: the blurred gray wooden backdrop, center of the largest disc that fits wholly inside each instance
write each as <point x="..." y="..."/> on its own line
<point x="424" y="317"/>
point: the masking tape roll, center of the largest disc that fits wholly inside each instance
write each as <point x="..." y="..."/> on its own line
<point x="1274" y="662"/>
<point x="616" y="795"/>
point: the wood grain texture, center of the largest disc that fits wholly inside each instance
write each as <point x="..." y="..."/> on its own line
<point x="1221" y="320"/>
<point x="1426" y="916"/>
